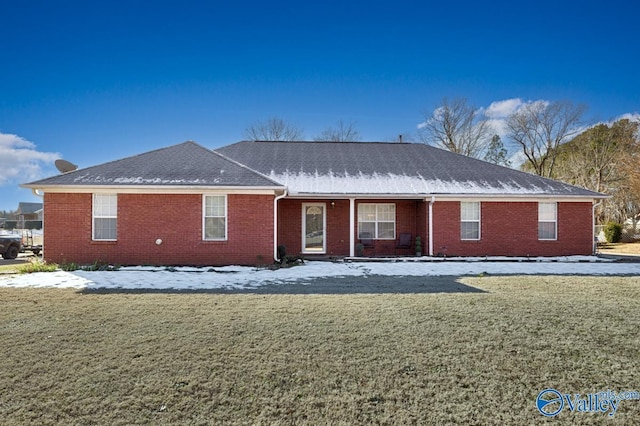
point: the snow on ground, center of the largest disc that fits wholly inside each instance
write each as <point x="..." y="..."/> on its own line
<point x="242" y="277"/>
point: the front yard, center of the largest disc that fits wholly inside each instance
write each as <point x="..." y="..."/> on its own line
<point x="467" y="358"/>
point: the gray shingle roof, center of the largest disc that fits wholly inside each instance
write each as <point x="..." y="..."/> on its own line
<point x="187" y="164"/>
<point x="387" y="168"/>
<point x="26" y="208"/>
<point x="366" y="168"/>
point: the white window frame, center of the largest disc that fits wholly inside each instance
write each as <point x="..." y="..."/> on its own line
<point x="464" y="219"/>
<point x="97" y="201"/>
<point x="548" y="220"/>
<point x="377" y="221"/>
<point x="204" y="217"/>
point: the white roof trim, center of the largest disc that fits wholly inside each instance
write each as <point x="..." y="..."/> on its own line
<point x="149" y="189"/>
<point x="450" y="197"/>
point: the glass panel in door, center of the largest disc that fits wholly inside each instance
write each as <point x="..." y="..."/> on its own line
<point x="313" y="228"/>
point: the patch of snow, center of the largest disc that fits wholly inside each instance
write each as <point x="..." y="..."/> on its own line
<point x="299" y="182"/>
<point x="241" y="277"/>
<point x="138" y="180"/>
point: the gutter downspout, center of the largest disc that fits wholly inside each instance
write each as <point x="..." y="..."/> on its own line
<point x="433" y="200"/>
<point x="275" y="224"/>
<point x="35" y="192"/>
<point x="594" y="249"/>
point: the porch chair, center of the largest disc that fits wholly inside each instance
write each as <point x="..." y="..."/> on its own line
<point x="404" y="243"/>
<point x="367" y="242"/>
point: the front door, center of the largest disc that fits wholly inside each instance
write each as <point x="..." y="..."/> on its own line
<point x="313" y="228"/>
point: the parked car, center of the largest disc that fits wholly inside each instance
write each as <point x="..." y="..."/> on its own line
<point x="10" y="245"/>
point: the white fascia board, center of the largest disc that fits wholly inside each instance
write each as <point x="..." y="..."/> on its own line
<point x="455" y="197"/>
<point x="517" y="198"/>
<point x="308" y="195"/>
<point x="147" y="189"/>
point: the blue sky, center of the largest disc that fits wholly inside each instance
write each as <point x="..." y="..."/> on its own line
<point x="96" y="81"/>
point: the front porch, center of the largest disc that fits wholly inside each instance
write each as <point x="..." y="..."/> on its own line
<point x="353" y="227"/>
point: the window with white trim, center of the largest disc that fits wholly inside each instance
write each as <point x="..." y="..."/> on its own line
<point x="470" y="220"/>
<point x="377" y="221"/>
<point x="105" y="217"/>
<point x="547" y="221"/>
<point x="214" y="217"/>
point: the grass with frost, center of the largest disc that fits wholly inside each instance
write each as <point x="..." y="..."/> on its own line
<point x="466" y="358"/>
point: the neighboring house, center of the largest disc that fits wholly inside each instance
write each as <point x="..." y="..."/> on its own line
<point x="189" y="205"/>
<point x="29" y="211"/>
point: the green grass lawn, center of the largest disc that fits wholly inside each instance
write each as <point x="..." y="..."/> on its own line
<point x="467" y="358"/>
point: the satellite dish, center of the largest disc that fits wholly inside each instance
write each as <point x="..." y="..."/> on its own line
<point x="64" y="166"/>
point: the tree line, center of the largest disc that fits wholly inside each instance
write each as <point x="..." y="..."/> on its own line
<point x="278" y="130"/>
<point x="551" y="137"/>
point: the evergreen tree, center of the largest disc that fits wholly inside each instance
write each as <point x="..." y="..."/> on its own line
<point x="496" y="152"/>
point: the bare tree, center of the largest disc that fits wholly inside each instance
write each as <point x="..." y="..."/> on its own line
<point x="539" y="128"/>
<point x="457" y="127"/>
<point x="343" y="132"/>
<point x="274" y="129"/>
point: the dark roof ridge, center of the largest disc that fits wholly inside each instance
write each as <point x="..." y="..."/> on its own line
<point x="327" y="142"/>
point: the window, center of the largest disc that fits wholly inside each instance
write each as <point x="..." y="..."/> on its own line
<point x="469" y="220"/>
<point x="215" y="217"/>
<point x="377" y="221"/>
<point x="547" y="221"/>
<point x="105" y="217"/>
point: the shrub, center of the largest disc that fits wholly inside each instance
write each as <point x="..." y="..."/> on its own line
<point x="613" y="232"/>
<point x="69" y="266"/>
<point x="37" y="266"/>
<point x="100" y="265"/>
<point x="95" y="266"/>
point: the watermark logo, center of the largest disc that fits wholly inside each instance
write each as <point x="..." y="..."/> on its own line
<point x="550" y="402"/>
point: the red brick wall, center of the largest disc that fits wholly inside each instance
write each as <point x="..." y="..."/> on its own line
<point x="143" y="218"/>
<point x="290" y="225"/>
<point x="506" y="229"/>
<point x="511" y="229"/>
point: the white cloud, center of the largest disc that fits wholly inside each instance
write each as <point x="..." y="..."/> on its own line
<point x="499" y="126"/>
<point x="498" y="112"/>
<point x="20" y="161"/>
<point x="503" y="109"/>
<point x="635" y="116"/>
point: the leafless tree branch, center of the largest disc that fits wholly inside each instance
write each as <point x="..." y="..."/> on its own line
<point x="274" y="129"/>
<point x="457" y="127"/>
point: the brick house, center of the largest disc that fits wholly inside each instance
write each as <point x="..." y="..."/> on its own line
<point x="189" y="205"/>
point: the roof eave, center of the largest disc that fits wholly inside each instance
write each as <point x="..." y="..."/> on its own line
<point x="150" y="188"/>
<point x="453" y="197"/>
